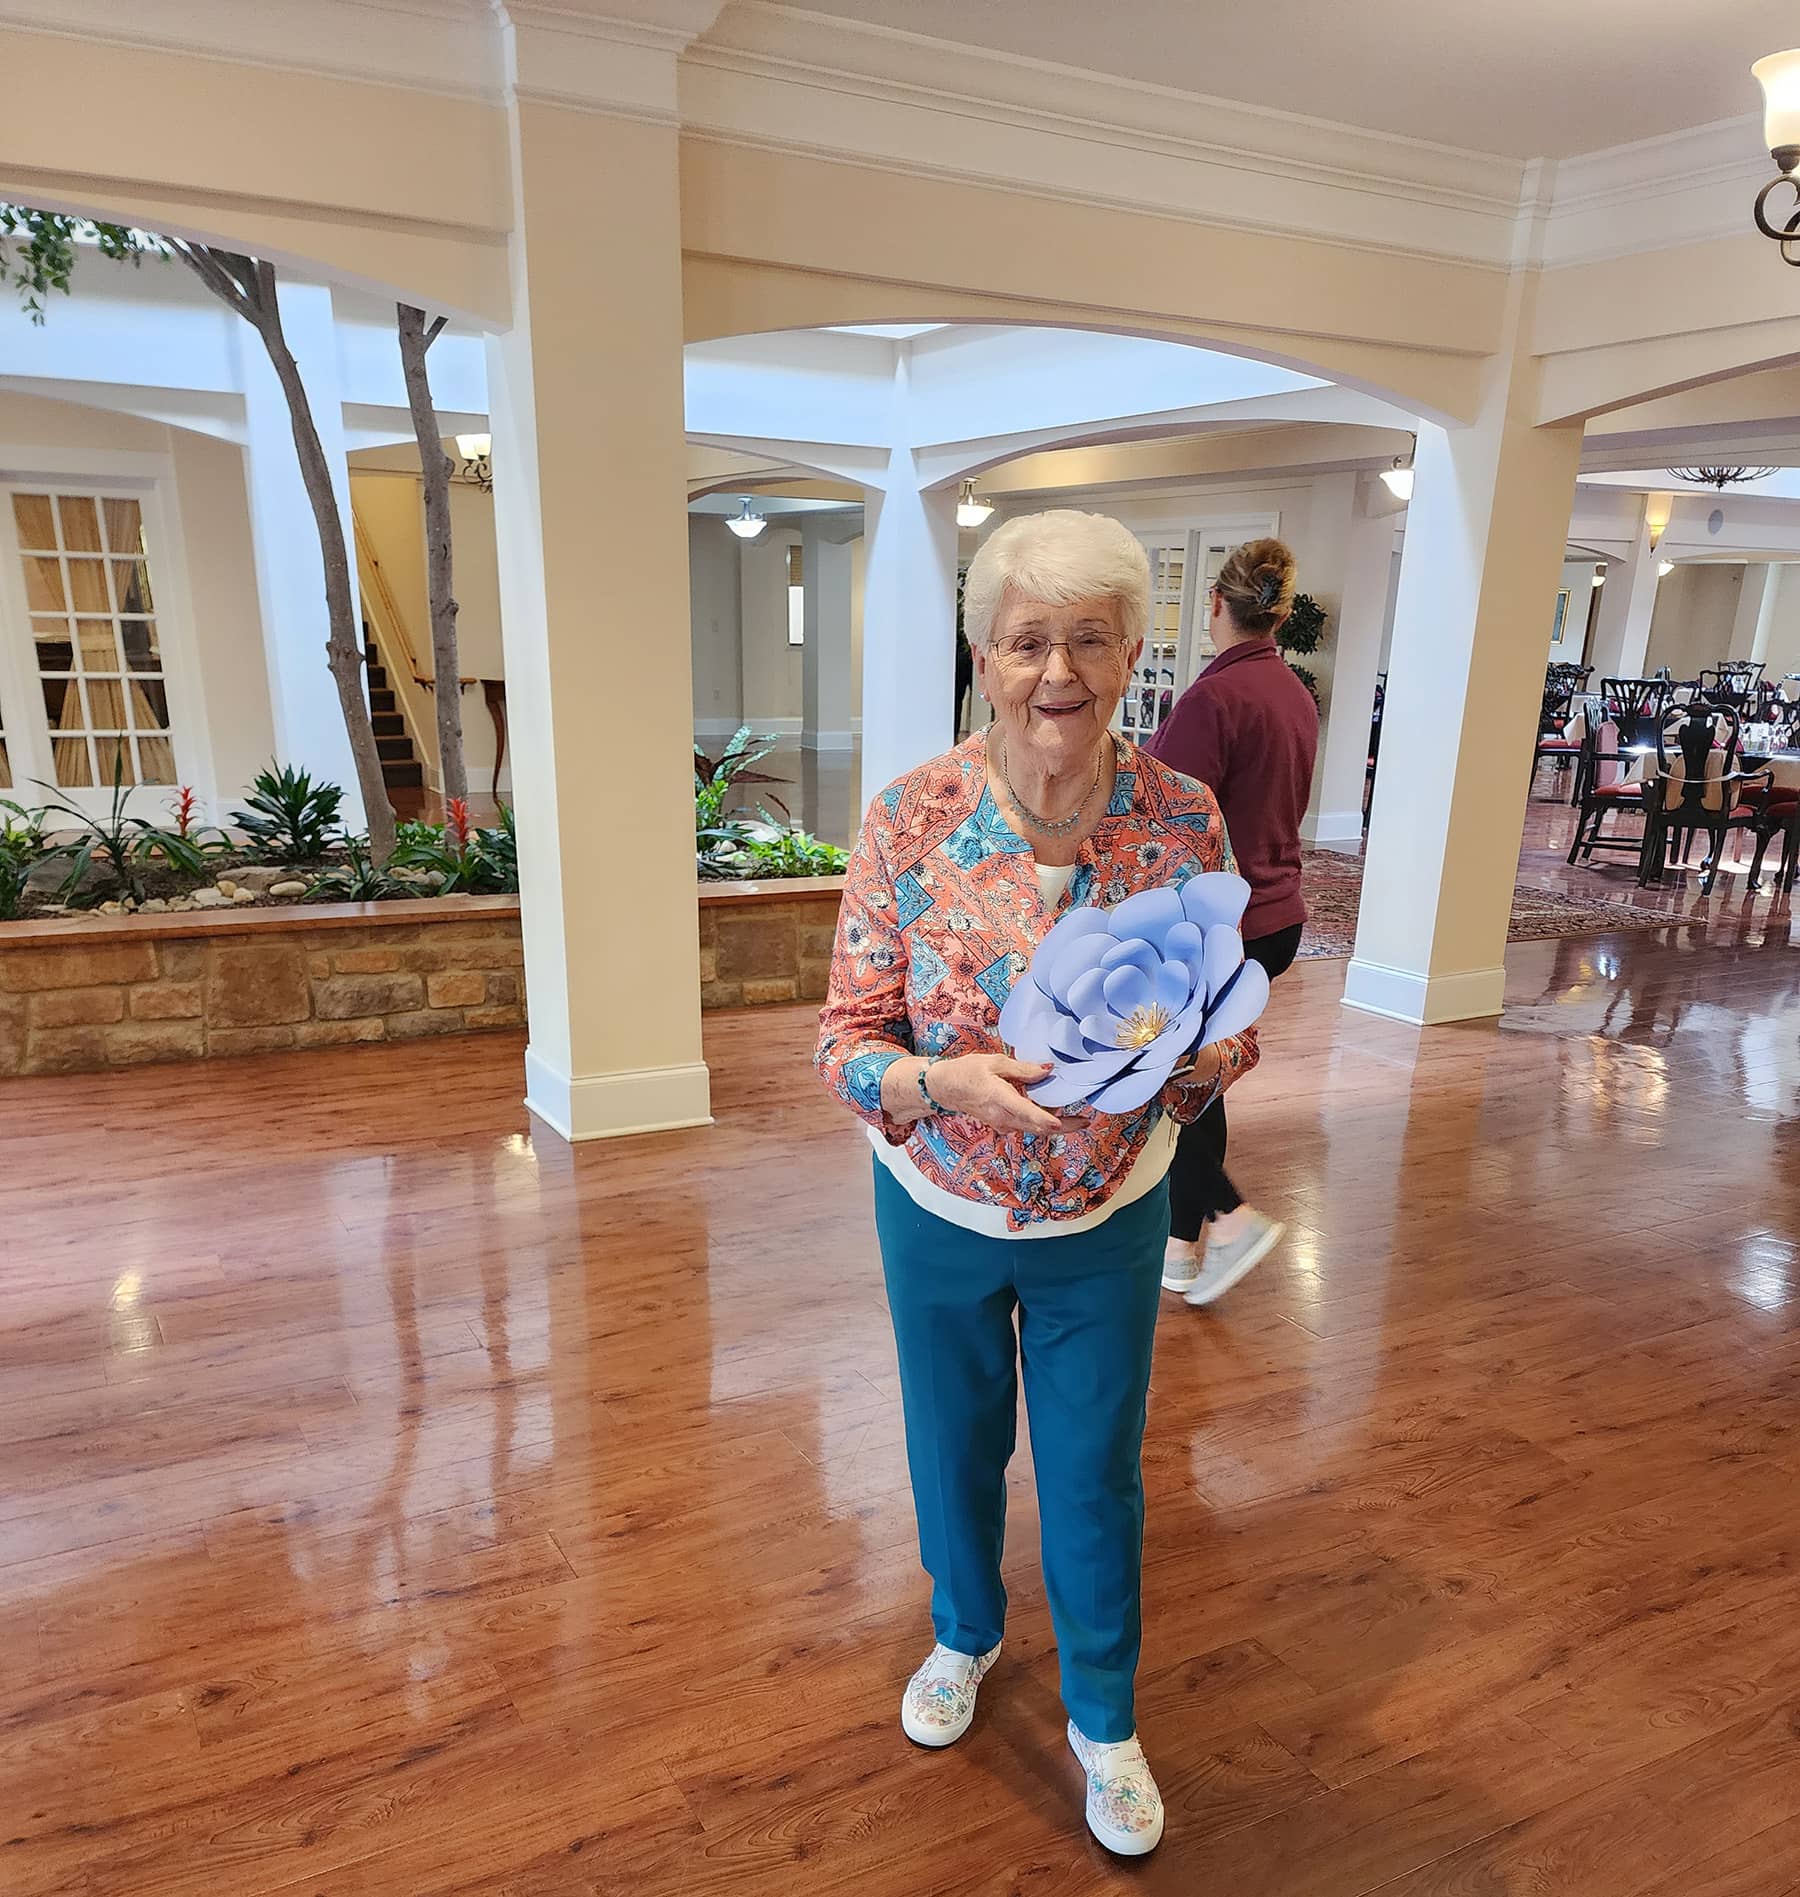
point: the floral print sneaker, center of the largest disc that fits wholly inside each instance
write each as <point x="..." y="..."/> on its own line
<point x="940" y="1697"/>
<point x="1124" y="1808"/>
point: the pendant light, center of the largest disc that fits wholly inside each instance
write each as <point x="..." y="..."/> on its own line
<point x="1399" y="478"/>
<point x="746" y="523"/>
<point x="969" y="511"/>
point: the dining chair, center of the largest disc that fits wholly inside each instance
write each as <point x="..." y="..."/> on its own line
<point x="1696" y="788"/>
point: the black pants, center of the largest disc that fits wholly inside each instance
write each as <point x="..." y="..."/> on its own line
<point x="1199" y="1186"/>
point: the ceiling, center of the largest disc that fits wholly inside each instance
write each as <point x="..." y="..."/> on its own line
<point x="1529" y="79"/>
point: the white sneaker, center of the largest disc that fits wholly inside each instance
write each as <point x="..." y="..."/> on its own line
<point x="1229" y="1264"/>
<point x="1181" y="1265"/>
<point x="940" y="1697"/>
<point x="1124" y="1808"/>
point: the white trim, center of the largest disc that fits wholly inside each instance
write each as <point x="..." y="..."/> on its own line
<point x="827" y="741"/>
<point x="611" y="1106"/>
<point x="1326" y="827"/>
<point x="1423" y="1000"/>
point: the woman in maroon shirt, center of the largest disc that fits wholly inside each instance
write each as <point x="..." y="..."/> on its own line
<point x="1249" y="730"/>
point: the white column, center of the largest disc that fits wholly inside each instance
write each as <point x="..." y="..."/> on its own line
<point x="290" y="580"/>
<point x="1485" y="536"/>
<point x="1351" y="655"/>
<point x="590" y="514"/>
<point x="909" y="626"/>
<point x="1627" y="602"/>
<point x="826" y="708"/>
<point x="1755" y="610"/>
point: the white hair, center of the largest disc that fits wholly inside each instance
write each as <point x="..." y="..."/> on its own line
<point x="1056" y="559"/>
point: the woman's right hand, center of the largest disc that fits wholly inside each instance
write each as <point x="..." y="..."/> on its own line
<point x="987" y="1087"/>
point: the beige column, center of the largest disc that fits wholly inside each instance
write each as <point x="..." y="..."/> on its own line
<point x="590" y="513"/>
<point x="1627" y="603"/>
<point x="1485" y="535"/>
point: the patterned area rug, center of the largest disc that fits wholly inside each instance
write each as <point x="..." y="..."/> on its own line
<point x="1332" y="884"/>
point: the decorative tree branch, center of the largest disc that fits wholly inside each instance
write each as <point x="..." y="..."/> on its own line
<point x="434" y="465"/>
<point x="42" y="257"/>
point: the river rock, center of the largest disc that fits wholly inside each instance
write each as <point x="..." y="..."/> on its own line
<point x="211" y="898"/>
<point x="291" y="888"/>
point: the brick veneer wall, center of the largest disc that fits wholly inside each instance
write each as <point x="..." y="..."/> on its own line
<point x="118" y="991"/>
<point x="115" y="991"/>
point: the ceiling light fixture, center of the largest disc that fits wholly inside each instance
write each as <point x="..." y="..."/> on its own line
<point x="1664" y="568"/>
<point x="1399" y="478"/>
<point x="1779" y="77"/>
<point x="969" y="511"/>
<point x="475" y="453"/>
<point x="1721" y="477"/>
<point x="1599" y="576"/>
<point x="746" y="523"/>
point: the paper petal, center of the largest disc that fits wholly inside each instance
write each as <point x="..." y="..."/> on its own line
<point x="1075" y="1080"/>
<point x="1174" y="987"/>
<point x="1132" y="954"/>
<point x="1084" y="921"/>
<point x="1181" y="1034"/>
<point x="1133" y="1090"/>
<point x="1151" y="913"/>
<point x="1224" y="953"/>
<point x="1101" y="1029"/>
<point x="1067" y="960"/>
<point x="1020" y="1006"/>
<point x="1087" y="994"/>
<point x="1127" y="990"/>
<point x="1215" y="896"/>
<point x="1248" y="997"/>
<point x="1186" y="942"/>
<point x="1065" y="1038"/>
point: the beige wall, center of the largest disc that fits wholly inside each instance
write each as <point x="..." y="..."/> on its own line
<point x="714" y="574"/>
<point x="773" y="669"/>
<point x="391" y="512"/>
<point x="205" y="576"/>
<point x="1691" y="626"/>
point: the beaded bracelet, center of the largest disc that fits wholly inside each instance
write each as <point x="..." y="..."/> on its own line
<point x="924" y="1091"/>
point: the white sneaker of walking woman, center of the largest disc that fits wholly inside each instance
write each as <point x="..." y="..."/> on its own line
<point x="940" y="1697"/>
<point x="1124" y="1808"/>
<point x="1206" y="1272"/>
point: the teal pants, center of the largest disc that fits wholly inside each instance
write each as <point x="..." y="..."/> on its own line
<point x="1085" y="1309"/>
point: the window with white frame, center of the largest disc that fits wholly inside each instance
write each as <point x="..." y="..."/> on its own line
<point x="95" y="642"/>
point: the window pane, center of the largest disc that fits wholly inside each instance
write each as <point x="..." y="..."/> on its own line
<point x="113" y="756"/>
<point x="99" y="650"/>
<point x="87" y="581"/>
<point x="62" y="704"/>
<point x="156" y="761"/>
<point x="80" y="523"/>
<point x="143" y="650"/>
<point x="106" y="704"/>
<point x="73" y="770"/>
<point x="36" y="524"/>
<point x="55" y="649"/>
<point x="124" y="527"/>
<point x="44" y="585"/>
<point x="149" y="700"/>
<point x="131" y="585"/>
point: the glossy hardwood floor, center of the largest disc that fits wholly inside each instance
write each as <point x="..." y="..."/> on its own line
<point x="392" y="1503"/>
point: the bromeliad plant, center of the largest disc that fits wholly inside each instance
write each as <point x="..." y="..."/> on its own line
<point x="289" y="818"/>
<point x="23" y="845"/>
<point x="482" y="862"/>
<point x="770" y="848"/>
<point x="116" y="849"/>
<point x="715" y="834"/>
<point x="358" y="878"/>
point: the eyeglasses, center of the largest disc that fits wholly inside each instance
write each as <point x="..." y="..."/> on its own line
<point x="1030" y="651"/>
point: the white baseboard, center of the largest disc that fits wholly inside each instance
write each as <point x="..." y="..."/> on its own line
<point x="610" y="1106"/>
<point x="1424" y="1000"/>
<point x="827" y="741"/>
<point x="1332" y="826"/>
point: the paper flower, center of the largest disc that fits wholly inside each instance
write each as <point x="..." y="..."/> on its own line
<point x="1115" y="997"/>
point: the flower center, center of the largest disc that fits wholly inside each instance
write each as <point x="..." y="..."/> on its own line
<point x="1142" y="1026"/>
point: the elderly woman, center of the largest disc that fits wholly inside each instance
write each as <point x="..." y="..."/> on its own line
<point x="989" y="1208"/>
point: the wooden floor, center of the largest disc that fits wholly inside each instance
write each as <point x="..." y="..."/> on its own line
<point x="394" y="1504"/>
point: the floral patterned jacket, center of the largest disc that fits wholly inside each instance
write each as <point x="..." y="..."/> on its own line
<point x="941" y="912"/>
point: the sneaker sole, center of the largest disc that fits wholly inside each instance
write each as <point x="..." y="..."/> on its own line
<point x="1241" y="1270"/>
<point x="1119" y="1843"/>
<point x="1182" y="1285"/>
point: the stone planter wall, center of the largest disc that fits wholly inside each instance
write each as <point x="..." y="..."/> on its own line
<point x="118" y="991"/>
<point x="767" y="942"/>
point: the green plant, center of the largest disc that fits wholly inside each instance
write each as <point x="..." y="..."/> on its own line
<point x="485" y="862"/>
<point x="1303" y="631"/>
<point x="23" y="845"/>
<point x="289" y="818"/>
<point x="736" y="764"/>
<point x="767" y="847"/>
<point x="118" y="846"/>
<point x="498" y="848"/>
<point x="359" y="878"/>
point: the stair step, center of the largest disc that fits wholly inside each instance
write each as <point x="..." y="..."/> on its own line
<point x="388" y="724"/>
<point x="383" y="704"/>
<point x="403" y="776"/>
<point x="377" y="678"/>
<point x="398" y="750"/>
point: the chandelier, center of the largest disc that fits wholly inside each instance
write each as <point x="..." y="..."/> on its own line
<point x="1722" y="477"/>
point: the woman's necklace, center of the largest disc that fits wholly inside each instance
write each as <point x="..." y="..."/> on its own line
<point x="1050" y="826"/>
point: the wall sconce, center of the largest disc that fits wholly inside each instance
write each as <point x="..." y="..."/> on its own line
<point x="476" y="455"/>
<point x="1599" y="576"/>
<point x="1657" y="509"/>
<point x="1779" y="77"/>
<point x="1399" y="478"/>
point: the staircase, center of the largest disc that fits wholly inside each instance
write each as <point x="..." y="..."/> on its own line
<point x="401" y="769"/>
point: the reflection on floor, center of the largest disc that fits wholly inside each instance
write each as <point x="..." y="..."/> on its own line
<point x="397" y="1502"/>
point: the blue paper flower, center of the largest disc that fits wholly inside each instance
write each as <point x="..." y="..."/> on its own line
<point x="1115" y="997"/>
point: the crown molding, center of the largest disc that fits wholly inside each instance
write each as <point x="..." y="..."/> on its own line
<point x="779" y="78"/>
